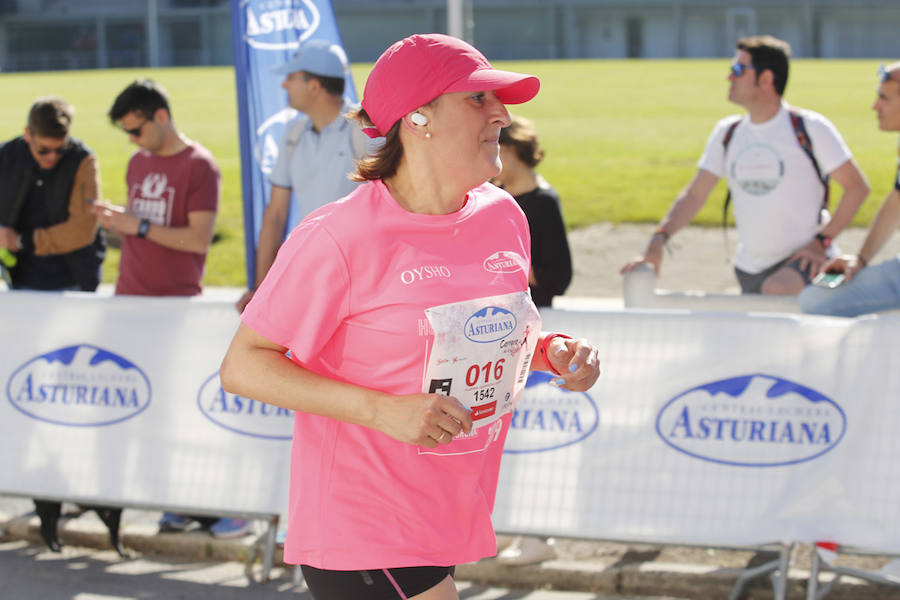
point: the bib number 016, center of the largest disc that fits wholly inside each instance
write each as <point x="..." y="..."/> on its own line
<point x="490" y="369"/>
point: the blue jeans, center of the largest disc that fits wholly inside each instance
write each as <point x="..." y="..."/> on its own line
<point x="872" y="289"/>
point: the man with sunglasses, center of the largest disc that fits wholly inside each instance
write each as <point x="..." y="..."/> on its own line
<point x="173" y="195"/>
<point x="48" y="181"/>
<point x="167" y="227"/>
<point x="864" y="289"/>
<point x="777" y="160"/>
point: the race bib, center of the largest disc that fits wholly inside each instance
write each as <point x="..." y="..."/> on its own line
<point x="482" y="352"/>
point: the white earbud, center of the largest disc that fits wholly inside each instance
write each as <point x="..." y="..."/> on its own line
<point x="418" y="118"/>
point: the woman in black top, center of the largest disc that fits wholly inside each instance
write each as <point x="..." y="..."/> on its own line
<point x="551" y="262"/>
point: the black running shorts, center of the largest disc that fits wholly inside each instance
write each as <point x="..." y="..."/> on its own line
<point x="375" y="584"/>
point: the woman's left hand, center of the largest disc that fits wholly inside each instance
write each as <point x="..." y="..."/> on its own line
<point x="577" y="362"/>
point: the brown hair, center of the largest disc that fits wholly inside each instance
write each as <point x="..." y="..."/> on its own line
<point x="521" y="136"/>
<point x="384" y="162"/>
<point x="332" y="85"/>
<point x="143" y="96"/>
<point x="50" y="116"/>
<point x="768" y="54"/>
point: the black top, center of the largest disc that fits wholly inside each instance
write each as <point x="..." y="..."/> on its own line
<point x="550" y="256"/>
<point x="33" y="198"/>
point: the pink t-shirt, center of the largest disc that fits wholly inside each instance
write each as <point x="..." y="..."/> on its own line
<point x="166" y="189"/>
<point x="347" y="295"/>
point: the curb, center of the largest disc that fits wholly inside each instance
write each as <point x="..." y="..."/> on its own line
<point x="607" y="571"/>
<point x="144" y="539"/>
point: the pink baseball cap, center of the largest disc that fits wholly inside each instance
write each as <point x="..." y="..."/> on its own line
<point x="418" y="69"/>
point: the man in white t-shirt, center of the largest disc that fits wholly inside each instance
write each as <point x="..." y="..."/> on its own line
<point x="777" y="186"/>
<point x="867" y="289"/>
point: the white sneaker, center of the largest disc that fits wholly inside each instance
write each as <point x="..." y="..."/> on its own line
<point x="526" y="551"/>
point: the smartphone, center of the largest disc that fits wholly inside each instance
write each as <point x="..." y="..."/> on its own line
<point x="828" y="280"/>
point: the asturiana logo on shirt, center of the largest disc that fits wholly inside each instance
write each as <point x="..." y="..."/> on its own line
<point x="490" y="324"/>
<point x="504" y="262"/>
<point x="752" y="421"/>
<point x="243" y="415"/>
<point x="550" y="417"/>
<point x="267" y="20"/>
<point x="79" y="386"/>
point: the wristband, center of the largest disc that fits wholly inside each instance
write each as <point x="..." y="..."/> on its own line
<point x="544" y="345"/>
<point x="862" y="260"/>
<point x="143" y="228"/>
<point x="823" y="239"/>
<point x="662" y="233"/>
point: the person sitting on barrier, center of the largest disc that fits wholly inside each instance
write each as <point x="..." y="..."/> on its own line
<point x="551" y="261"/>
<point x="778" y="160"/>
<point x="167" y="227"/>
<point x="849" y="287"/>
<point x="49" y="239"/>
<point x="356" y="328"/>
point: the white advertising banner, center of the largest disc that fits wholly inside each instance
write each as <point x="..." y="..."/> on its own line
<point x="118" y="400"/>
<point x="714" y="429"/>
<point x="704" y="428"/>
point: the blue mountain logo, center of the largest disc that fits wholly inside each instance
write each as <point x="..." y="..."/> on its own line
<point x="243" y="415"/>
<point x="752" y="421"/>
<point x="550" y="417"/>
<point x="79" y="386"/>
<point x="490" y="324"/>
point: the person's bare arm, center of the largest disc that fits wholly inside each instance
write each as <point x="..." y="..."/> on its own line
<point x="257" y="368"/>
<point x="855" y="190"/>
<point x="271" y="233"/>
<point x="687" y="204"/>
<point x="195" y="237"/>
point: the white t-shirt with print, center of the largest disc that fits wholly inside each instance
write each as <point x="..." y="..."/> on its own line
<point x="775" y="190"/>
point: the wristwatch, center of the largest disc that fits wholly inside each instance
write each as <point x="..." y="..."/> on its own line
<point x="143" y="228"/>
<point x="824" y="240"/>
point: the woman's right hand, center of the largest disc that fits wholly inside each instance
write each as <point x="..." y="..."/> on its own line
<point x="422" y="419"/>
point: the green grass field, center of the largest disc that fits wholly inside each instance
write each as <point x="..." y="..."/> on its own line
<point x="622" y="137"/>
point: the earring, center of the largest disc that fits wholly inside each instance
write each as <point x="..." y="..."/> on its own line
<point x="427" y="135"/>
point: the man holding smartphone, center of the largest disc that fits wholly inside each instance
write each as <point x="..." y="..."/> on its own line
<point x="867" y="289"/>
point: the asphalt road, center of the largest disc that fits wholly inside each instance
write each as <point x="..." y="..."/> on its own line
<point x="30" y="572"/>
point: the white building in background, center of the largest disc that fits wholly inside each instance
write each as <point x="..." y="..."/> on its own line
<point x="77" y="34"/>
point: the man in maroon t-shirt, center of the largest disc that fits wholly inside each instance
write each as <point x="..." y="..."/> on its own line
<point x="166" y="230"/>
<point x="173" y="194"/>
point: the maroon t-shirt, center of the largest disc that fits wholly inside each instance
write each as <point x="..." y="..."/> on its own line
<point x="166" y="189"/>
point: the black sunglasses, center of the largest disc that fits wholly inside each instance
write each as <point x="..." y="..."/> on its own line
<point x="883" y="74"/>
<point x="739" y="68"/>
<point x="136" y="132"/>
<point x="45" y="151"/>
